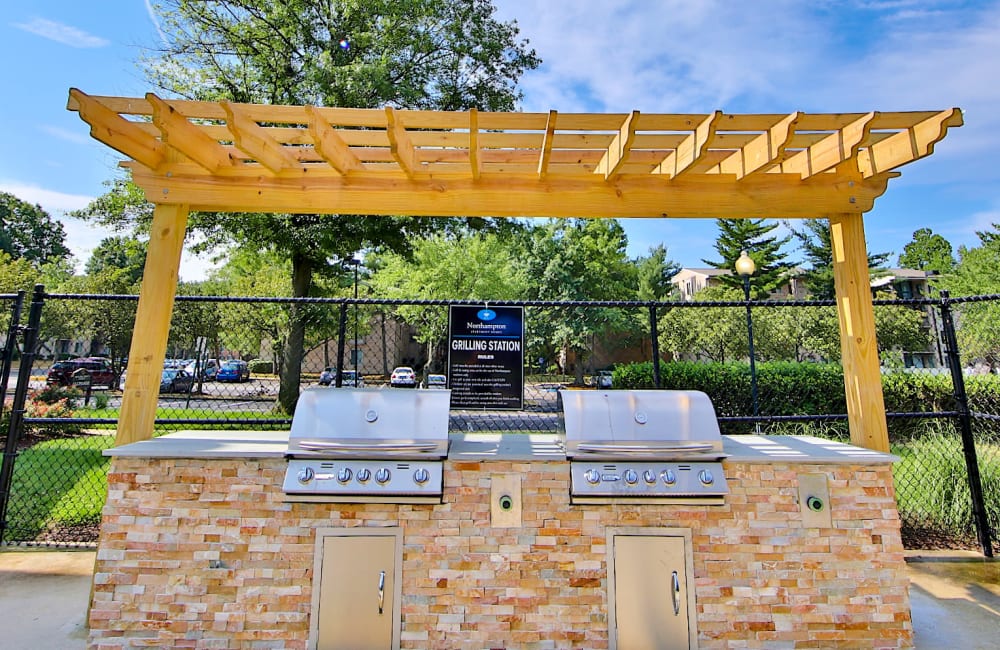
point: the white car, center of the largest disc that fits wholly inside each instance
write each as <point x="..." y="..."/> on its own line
<point x="437" y="381"/>
<point x="403" y="377"/>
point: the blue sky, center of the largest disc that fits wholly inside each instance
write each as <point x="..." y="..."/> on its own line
<point x="769" y="56"/>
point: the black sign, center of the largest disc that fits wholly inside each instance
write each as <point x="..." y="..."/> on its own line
<point x="486" y="357"/>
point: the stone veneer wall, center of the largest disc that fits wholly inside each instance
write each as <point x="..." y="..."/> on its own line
<point x="204" y="553"/>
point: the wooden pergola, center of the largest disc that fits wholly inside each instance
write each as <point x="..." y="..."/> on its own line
<point x="222" y="156"/>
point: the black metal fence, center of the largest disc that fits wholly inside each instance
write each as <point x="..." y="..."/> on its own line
<point x="944" y="420"/>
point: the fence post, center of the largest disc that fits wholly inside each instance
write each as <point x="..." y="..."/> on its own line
<point x="17" y="408"/>
<point x="10" y="346"/>
<point x="341" y="335"/>
<point x="655" y="336"/>
<point x="965" y="426"/>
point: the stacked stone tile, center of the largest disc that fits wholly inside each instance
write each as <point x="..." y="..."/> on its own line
<point x="205" y="553"/>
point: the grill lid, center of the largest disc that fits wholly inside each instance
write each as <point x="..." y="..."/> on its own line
<point x="370" y="423"/>
<point x="662" y="424"/>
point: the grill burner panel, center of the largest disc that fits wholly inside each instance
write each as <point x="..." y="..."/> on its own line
<point x="353" y="477"/>
<point x="647" y="479"/>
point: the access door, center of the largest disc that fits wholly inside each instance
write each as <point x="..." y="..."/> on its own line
<point x="358" y="605"/>
<point x="650" y="600"/>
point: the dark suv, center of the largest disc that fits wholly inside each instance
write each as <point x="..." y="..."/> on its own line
<point x="61" y="372"/>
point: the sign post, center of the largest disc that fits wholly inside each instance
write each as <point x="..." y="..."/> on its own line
<point x="486" y="357"/>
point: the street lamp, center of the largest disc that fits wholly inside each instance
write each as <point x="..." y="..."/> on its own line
<point x="746" y="267"/>
<point x="355" y="262"/>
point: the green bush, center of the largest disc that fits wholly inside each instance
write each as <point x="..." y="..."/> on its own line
<point x="787" y="388"/>
<point x="261" y="367"/>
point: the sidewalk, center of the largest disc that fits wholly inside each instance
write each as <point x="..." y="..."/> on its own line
<point x="954" y="599"/>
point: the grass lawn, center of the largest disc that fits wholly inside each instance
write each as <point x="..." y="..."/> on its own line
<point x="58" y="483"/>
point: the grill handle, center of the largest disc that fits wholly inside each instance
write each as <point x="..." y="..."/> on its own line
<point x="381" y="591"/>
<point x="675" y="593"/>
<point x="641" y="449"/>
<point x="323" y="445"/>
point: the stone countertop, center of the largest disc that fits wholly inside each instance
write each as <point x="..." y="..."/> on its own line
<point x="477" y="447"/>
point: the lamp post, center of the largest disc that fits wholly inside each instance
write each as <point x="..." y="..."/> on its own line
<point x="355" y="262"/>
<point x="746" y="267"/>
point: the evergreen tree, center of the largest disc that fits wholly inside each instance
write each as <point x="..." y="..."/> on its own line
<point x="815" y="243"/>
<point x="753" y="236"/>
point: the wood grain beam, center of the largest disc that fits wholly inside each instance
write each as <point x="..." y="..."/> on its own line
<point x="125" y="137"/>
<point x="253" y="140"/>
<point x="400" y="145"/>
<point x="908" y="145"/>
<point x="840" y="146"/>
<point x="641" y="195"/>
<point x="329" y="145"/>
<point x="152" y="319"/>
<point x="763" y="151"/>
<point x="475" y="157"/>
<point x="859" y="348"/>
<point x="692" y="150"/>
<point x="545" y="154"/>
<point x="618" y="151"/>
<point x="178" y="132"/>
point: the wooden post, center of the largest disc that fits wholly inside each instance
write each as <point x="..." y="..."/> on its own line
<point x="152" y="324"/>
<point x="859" y="349"/>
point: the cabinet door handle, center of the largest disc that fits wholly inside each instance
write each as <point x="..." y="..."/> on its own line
<point x="381" y="591"/>
<point x="676" y="593"/>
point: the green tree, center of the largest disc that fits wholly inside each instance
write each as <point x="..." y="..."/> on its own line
<point x="425" y="54"/>
<point x="978" y="273"/>
<point x="712" y="333"/>
<point x="125" y="253"/>
<point x="577" y="260"/>
<point x="28" y="232"/>
<point x="472" y="267"/>
<point x="753" y="236"/>
<point x="815" y="243"/>
<point x="928" y="252"/>
<point x="653" y="273"/>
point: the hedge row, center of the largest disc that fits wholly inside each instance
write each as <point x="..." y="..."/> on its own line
<point x="787" y="388"/>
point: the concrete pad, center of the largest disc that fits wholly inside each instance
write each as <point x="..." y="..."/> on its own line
<point x="954" y="600"/>
<point x="44" y="596"/>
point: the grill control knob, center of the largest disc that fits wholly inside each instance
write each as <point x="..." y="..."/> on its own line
<point x="649" y="476"/>
<point x="364" y="475"/>
<point x="668" y="476"/>
<point x="421" y="476"/>
<point x="306" y="474"/>
<point x="344" y="475"/>
<point x="705" y="476"/>
<point x="630" y="477"/>
<point x="382" y="475"/>
<point x="593" y="476"/>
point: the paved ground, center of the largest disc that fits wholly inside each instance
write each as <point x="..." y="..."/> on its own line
<point x="954" y="596"/>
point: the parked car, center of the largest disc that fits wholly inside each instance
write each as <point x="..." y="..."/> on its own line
<point x="349" y="378"/>
<point x="233" y="370"/>
<point x="403" y="377"/>
<point x="176" y="380"/>
<point x="61" y="372"/>
<point x="437" y="381"/>
<point x="604" y="378"/>
<point x="209" y="369"/>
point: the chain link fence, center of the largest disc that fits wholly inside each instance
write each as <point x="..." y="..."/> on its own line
<point x="239" y="363"/>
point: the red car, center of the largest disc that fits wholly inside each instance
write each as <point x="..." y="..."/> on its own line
<point x="61" y="372"/>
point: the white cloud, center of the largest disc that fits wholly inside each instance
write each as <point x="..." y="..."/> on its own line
<point x="60" y="33"/>
<point x="66" y="134"/>
<point x="50" y="200"/>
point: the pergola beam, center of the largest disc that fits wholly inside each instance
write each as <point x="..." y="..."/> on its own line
<point x="220" y="156"/>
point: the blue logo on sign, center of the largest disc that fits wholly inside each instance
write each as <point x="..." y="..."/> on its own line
<point x="486" y="314"/>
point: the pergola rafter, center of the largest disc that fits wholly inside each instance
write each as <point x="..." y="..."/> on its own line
<point x="228" y="157"/>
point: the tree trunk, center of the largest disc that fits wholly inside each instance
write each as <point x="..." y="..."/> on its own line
<point x="291" y="365"/>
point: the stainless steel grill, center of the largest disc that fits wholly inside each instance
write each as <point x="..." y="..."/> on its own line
<point x="358" y="444"/>
<point x="643" y="444"/>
